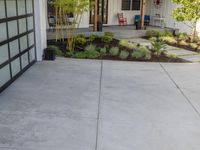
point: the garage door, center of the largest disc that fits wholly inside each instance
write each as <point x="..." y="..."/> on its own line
<point x="17" y="39"/>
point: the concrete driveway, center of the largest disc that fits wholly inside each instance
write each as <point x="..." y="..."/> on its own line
<point x="102" y="105"/>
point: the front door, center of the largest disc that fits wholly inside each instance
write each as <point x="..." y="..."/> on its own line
<point x="102" y="12"/>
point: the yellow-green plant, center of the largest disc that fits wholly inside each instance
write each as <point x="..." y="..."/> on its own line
<point x="63" y="9"/>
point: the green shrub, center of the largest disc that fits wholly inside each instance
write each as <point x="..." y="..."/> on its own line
<point x="193" y="45"/>
<point x="81" y="35"/>
<point x="56" y="50"/>
<point x="91" y="47"/>
<point x="152" y="33"/>
<point x="196" y="39"/>
<point x="182" y="36"/>
<point x="168" y="39"/>
<point x="127" y="44"/>
<point x="87" y="54"/>
<point x="69" y="54"/>
<point x="114" y="51"/>
<point x="183" y="43"/>
<point x="124" y="55"/>
<point x="166" y="33"/>
<point x="153" y="39"/>
<point x="80" y="39"/>
<point x="109" y="34"/>
<point x="92" y="38"/>
<point x="158" y="47"/>
<point x="103" y="50"/>
<point x="172" y="56"/>
<point x="107" y="39"/>
<point x="198" y="49"/>
<point x="141" y="53"/>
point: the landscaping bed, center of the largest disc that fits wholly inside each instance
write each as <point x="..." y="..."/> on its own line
<point x="182" y="40"/>
<point x="106" y="47"/>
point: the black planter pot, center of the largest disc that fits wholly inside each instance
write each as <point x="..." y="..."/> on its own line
<point x="138" y="25"/>
<point x="49" y="54"/>
<point x="99" y="26"/>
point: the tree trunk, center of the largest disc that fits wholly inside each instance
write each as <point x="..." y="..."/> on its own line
<point x="194" y="31"/>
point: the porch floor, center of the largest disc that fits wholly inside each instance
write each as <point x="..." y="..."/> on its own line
<point x="72" y="104"/>
<point x="121" y="32"/>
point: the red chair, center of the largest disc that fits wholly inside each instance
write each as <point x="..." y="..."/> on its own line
<point x="122" y="21"/>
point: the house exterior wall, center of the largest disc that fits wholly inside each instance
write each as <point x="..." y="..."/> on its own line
<point x="114" y="7"/>
<point x="40" y="26"/>
<point x="166" y="11"/>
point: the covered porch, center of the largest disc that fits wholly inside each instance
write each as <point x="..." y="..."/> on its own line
<point x="120" y="32"/>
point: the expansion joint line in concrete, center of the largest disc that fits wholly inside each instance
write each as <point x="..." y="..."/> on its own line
<point x="180" y="90"/>
<point x="99" y="104"/>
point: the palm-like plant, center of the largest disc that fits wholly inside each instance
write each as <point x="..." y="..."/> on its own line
<point x="158" y="47"/>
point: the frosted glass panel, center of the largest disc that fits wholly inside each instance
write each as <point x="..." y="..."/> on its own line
<point x="3" y="32"/>
<point x="23" y="43"/>
<point x="2" y="9"/>
<point x="14" y="48"/>
<point x="22" y="25"/>
<point x="29" y="5"/>
<point x="4" y="53"/>
<point x="15" y="66"/>
<point x="32" y="54"/>
<point x="4" y="75"/>
<point x="11" y="8"/>
<point x="31" y="39"/>
<point x="21" y="7"/>
<point x="30" y="23"/>
<point x="24" y="60"/>
<point x="12" y="28"/>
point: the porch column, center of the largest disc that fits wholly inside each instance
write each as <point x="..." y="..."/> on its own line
<point x="143" y="3"/>
<point x="95" y="15"/>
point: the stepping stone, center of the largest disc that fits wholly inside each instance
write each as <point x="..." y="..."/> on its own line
<point x="182" y="52"/>
<point x="191" y="58"/>
<point x="168" y="47"/>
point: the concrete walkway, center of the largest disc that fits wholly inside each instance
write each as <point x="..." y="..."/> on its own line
<point x="185" y="54"/>
<point x="102" y="105"/>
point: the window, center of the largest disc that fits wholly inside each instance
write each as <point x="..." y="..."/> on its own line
<point x="130" y="4"/>
<point x="135" y="4"/>
<point x="126" y="4"/>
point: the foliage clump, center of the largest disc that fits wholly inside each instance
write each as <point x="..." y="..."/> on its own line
<point x="87" y="54"/>
<point x="152" y="33"/>
<point x="108" y="37"/>
<point x="81" y="40"/>
<point x="158" y="47"/>
<point x="124" y="55"/>
<point x="127" y="44"/>
<point x="56" y="50"/>
<point x="91" y="47"/>
<point x="114" y="51"/>
<point x="193" y="45"/>
<point x="103" y="50"/>
<point x="141" y="53"/>
<point x="168" y="39"/>
<point x="183" y="43"/>
<point x="183" y="36"/>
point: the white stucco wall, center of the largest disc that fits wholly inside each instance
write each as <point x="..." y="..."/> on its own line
<point x="166" y="11"/>
<point x="114" y="7"/>
<point x="40" y="27"/>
